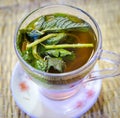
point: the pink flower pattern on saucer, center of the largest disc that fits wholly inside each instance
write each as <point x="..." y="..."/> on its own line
<point x="79" y="104"/>
<point x="90" y="93"/>
<point x="23" y="86"/>
<point x="82" y="103"/>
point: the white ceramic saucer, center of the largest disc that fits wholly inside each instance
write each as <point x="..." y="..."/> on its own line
<point x="29" y="99"/>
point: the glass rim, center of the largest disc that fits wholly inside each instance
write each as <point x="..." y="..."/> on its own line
<point x="91" y="60"/>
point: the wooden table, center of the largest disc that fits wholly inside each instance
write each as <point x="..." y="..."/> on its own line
<point x="106" y="13"/>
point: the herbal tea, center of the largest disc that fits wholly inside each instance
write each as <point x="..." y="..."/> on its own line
<point x="56" y="43"/>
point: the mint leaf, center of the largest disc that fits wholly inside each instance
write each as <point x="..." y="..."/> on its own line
<point x="39" y="23"/>
<point x="34" y="34"/>
<point x="27" y="55"/>
<point x="68" y="58"/>
<point x="31" y="34"/>
<point x="58" y="52"/>
<point x="40" y="64"/>
<point x="56" y="63"/>
<point x="58" y="24"/>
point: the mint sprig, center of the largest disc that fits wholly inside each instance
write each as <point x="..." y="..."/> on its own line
<point x="47" y="44"/>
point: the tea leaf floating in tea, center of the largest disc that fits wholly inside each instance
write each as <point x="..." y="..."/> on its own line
<point x="51" y="41"/>
<point x="56" y="63"/>
<point x="58" y="52"/>
<point x="59" y="24"/>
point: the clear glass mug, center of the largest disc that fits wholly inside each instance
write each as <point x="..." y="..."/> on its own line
<point x="64" y="85"/>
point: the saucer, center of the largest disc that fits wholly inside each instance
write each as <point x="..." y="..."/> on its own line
<point x="29" y="99"/>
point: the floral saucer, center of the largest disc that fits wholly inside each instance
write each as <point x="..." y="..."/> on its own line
<point x="29" y="99"/>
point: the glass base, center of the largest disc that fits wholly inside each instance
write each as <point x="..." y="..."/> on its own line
<point x="60" y="95"/>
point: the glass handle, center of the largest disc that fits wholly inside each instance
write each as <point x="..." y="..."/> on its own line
<point x="111" y="58"/>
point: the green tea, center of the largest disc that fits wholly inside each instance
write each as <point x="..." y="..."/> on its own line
<point x="56" y="43"/>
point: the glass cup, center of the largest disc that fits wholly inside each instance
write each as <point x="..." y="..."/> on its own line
<point x="64" y="85"/>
